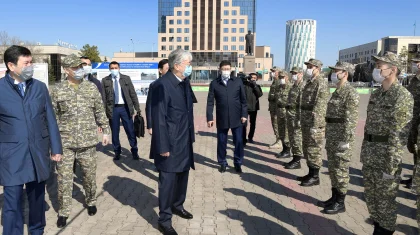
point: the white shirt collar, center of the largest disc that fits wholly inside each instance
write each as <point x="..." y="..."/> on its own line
<point x="179" y="79"/>
<point x="17" y="83"/>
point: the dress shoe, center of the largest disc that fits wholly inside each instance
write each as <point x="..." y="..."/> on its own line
<point x="312" y="180"/>
<point x="182" y="213"/>
<point x="117" y="157"/>
<point x="238" y="169"/>
<point x="294" y="164"/>
<point x="92" y="210"/>
<point x="251" y="141"/>
<point x="136" y="156"/>
<point x="222" y="169"/>
<point x="330" y="201"/>
<point x="61" y="222"/>
<point x="167" y="230"/>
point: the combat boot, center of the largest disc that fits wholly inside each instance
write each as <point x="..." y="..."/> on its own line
<point x="408" y="182"/>
<point x="330" y="201"/>
<point x="303" y="178"/>
<point x="276" y="145"/>
<point x="312" y="180"/>
<point x="338" y="206"/>
<point x="285" y="153"/>
<point x="294" y="164"/>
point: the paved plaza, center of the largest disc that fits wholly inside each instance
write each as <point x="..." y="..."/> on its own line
<point x="265" y="199"/>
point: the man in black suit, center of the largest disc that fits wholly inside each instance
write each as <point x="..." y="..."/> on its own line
<point x="173" y="137"/>
<point x="231" y="113"/>
<point x="253" y="92"/>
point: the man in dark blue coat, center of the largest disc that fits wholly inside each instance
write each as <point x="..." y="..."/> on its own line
<point x="231" y="113"/>
<point x="173" y="137"/>
<point x="28" y="130"/>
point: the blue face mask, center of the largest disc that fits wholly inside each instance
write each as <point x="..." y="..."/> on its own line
<point x="188" y="71"/>
<point x="115" y="72"/>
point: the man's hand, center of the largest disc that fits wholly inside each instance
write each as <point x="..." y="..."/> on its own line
<point x="165" y="154"/>
<point x="105" y="140"/>
<point x="56" y="157"/>
<point x="99" y="130"/>
<point x="243" y="120"/>
<point x="210" y="124"/>
<point x="150" y="131"/>
<point x="133" y="116"/>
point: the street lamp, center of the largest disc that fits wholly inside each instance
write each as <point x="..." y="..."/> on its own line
<point x="134" y="54"/>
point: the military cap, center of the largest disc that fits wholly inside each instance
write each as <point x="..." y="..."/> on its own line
<point x="71" y="61"/>
<point x="314" y="62"/>
<point x="283" y="73"/>
<point x="416" y="59"/>
<point x="275" y="68"/>
<point x="390" y="58"/>
<point x="296" y="69"/>
<point x="343" y="66"/>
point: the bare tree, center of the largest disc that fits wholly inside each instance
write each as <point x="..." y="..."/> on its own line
<point x="6" y="41"/>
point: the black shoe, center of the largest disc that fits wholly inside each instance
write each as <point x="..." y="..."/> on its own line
<point x="136" y="156"/>
<point x="251" y="141"/>
<point x="285" y="153"/>
<point x="117" y="157"/>
<point x="330" y="201"/>
<point x="182" y="213"/>
<point x="92" y="210"/>
<point x="238" y="169"/>
<point x="294" y="164"/>
<point x="382" y="231"/>
<point x="222" y="169"/>
<point x="167" y="230"/>
<point x="312" y="180"/>
<point x="408" y="183"/>
<point x="244" y="142"/>
<point x="338" y="206"/>
<point x="61" y="222"/>
<point x="303" y="178"/>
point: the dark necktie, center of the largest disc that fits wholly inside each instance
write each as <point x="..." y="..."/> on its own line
<point x="21" y="90"/>
<point x="117" y="91"/>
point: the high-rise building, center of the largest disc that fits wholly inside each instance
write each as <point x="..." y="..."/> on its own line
<point x="212" y="30"/>
<point x="300" y="42"/>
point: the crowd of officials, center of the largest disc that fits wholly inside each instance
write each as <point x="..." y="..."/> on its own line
<point x="37" y="125"/>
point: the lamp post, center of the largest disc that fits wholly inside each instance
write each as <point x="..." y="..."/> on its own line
<point x="134" y="53"/>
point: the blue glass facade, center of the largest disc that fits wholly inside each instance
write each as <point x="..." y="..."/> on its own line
<point x="249" y="8"/>
<point x="166" y="8"/>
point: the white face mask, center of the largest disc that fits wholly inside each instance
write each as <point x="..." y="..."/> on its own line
<point x="294" y="77"/>
<point x="79" y="74"/>
<point x="225" y="74"/>
<point x="376" y="74"/>
<point x="309" y="72"/>
<point x="88" y="69"/>
<point x="334" y="78"/>
<point x="273" y="74"/>
<point x="282" y="81"/>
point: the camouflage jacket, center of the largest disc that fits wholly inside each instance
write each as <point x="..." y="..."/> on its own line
<point x="343" y="104"/>
<point x="294" y="100"/>
<point x="314" y="102"/>
<point x="79" y="112"/>
<point x="272" y="95"/>
<point x="389" y="114"/>
<point x="414" y="88"/>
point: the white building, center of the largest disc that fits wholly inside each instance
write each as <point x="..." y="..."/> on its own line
<point x="300" y="42"/>
<point x="363" y="53"/>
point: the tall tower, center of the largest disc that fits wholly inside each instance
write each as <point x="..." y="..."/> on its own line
<point x="300" y="42"/>
<point x="212" y="30"/>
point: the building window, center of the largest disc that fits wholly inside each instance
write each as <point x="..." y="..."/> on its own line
<point x="233" y="30"/>
<point x="259" y="65"/>
<point x="225" y="21"/>
<point x="241" y="48"/>
<point x="240" y="56"/>
<point x="187" y="22"/>
<point x="179" y="39"/>
<point x="225" y="39"/>
<point x="187" y="30"/>
<point x="171" y="21"/>
<point x="163" y="55"/>
<point x="242" y="39"/>
<point x="233" y="39"/>
<point x="187" y="13"/>
<point x="179" y="30"/>
<point x="179" y="22"/>
<point x="171" y="30"/>
<point x="163" y="48"/>
<point x="171" y="48"/>
<point x="226" y="3"/>
<point x="234" y="13"/>
<point x="163" y="39"/>
<point x="242" y="21"/>
<point x="225" y="12"/>
<point x="187" y="48"/>
<point x="171" y="39"/>
<point x="242" y="30"/>
<point x="178" y="47"/>
<point x="233" y="48"/>
<point x="186" y="39"/>
<point x="233" y="21"/>
<point x="179" y="13"/>
<point x="225" y="48"/>
<point x="225" y="30"/>
<point x="187" y="4"/>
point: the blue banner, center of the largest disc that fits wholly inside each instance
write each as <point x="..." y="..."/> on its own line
<point x="126" y="65"/>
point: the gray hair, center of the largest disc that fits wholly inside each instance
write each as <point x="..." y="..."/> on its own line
<point x="178" y="56"/>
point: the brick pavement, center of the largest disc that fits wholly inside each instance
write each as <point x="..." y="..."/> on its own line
<point x="264" y="200"/>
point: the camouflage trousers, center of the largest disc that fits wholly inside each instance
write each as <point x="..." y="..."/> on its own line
<point x="273" y="115"/>
<point x="86" y="159"/>
<point x="282" y="126"/>
<point x="295" y="135"/>
<point x="338" y="167"/>
<point x="313" y="139"/>
<point x="380" y="196"/>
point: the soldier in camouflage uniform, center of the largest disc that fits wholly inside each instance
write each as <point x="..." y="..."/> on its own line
<point x="341" y="118"/>
<point x="293" y="118"/>
<point x="79" y="110"/>
<point x="414" y="89"/>
<point x="272" y="105"/>
<point x="313" y="109"/>
<point x="386" y="133"/>
<point x="282" y="95"/>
